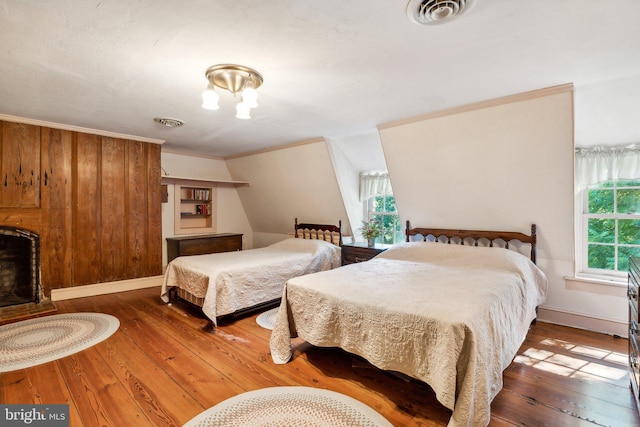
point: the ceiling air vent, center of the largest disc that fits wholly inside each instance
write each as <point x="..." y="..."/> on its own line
<point x="433" y="12"/>
<point x="170" y="123"/>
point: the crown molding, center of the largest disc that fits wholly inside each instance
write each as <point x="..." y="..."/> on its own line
<point x="279" y="147"/>
<point x="72" y="128"/>
<point x="482" y="104"/>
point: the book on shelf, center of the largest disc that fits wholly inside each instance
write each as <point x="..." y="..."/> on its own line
<point x="197" y="193"/>
<point x="202" y="209"/>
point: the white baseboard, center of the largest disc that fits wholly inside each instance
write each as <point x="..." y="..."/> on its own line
<point x="105" y="288"/>
<point x="584" y="321"/>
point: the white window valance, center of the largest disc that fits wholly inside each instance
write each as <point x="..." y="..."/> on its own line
<point x="599" y="164"/>
<point x="374" y="184"/>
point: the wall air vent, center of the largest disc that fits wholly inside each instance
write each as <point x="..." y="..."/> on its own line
<point x="433" y="12"/>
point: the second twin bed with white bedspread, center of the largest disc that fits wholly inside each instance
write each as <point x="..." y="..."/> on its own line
<point x="452" y="316"/>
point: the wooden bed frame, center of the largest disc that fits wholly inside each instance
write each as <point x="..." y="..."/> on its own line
<point x="327" y="232"/>
<point x="474" y="236"/>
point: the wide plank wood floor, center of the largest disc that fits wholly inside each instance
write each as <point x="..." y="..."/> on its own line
<point x="161" y="369"/>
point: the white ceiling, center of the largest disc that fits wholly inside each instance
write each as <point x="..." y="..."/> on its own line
<point x="330" y="67"/>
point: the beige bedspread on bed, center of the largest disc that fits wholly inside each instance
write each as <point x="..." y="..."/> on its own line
<point x="452" y="316"/>
<point x="231" y="281"/>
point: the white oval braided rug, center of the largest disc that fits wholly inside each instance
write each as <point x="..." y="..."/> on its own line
<point x="293" y="406"/>
<point x="44" y="339"/>
<point x="268" y="318"/>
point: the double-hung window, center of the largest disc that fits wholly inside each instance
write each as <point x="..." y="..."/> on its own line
<point x="608" y="182"/>
<point x="610" y="226"/>
<point x="379" y="205"/>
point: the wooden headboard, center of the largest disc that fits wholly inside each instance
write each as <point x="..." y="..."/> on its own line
<point x="327" y="232"/>
<point x="460" y="236"/>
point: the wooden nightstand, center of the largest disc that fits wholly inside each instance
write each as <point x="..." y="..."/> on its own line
<point x="359" y="252"/>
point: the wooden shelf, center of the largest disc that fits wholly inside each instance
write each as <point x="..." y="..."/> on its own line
<point x="168" y="179"/>
<point x="195" y="208"/>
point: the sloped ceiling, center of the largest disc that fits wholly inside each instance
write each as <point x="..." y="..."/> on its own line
<point x="331" y="67"/>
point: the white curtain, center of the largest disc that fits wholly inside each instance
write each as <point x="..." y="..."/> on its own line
<point x="374" y="184"/>
<point x="599" y="164"/>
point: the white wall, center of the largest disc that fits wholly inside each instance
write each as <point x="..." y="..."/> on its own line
<point x="502" y="165"/>
<point x="606" y="112"/>
<point x="296" y="181"/>
<point x="352" y="154"/>
<point x="230" y="215"/>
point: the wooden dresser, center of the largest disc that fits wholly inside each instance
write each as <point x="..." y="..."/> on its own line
<point x="203" y="244"/>
<point x="634" y="327"/>
<point x="359" y="252"/>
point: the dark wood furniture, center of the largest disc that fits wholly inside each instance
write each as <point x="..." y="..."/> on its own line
<point x="473" y="236"/>
<point x="359" y="252"/>
<point x="203" y="244"/>
<point x="634" y="328"/>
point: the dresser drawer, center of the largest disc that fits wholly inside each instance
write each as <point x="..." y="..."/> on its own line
<point x="634" y="356"/>
<point x="634" y="324"/>
<point x="632" y="291"/>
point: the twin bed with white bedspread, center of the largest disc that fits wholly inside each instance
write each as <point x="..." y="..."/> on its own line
<point x="228" y="284"/>
<point x="452" y="316"/>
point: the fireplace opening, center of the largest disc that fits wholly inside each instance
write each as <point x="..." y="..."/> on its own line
<point x="19" y="267"/>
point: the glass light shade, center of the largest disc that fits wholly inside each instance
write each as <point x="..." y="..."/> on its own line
<point x="210" y="99"/>
<point x="250" y="97"/>
<point x="243" y="111"/>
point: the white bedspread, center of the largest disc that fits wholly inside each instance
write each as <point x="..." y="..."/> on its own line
<point x="452" y="316"/>
<point x="230" y="281"/>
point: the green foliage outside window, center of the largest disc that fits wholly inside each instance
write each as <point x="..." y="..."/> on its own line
<point x="383" y="210"/>
<point x="613" y="225"/>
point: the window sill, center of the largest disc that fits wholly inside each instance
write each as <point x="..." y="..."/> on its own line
<point x="608" y="286"/>
<point x="601" y="280"/>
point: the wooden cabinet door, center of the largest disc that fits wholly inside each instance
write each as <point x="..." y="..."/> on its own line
<point x="87" y="229"/>
<point x="56" y="237"/>
<point x="20" y="165"/>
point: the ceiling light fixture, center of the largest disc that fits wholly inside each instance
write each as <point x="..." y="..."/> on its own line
<point x="432" y="12"/>
<point x="234" y="78"/>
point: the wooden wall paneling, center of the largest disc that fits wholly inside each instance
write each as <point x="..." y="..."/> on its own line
<point x="27" y="219"/>
<point x="20" y="165"/>
<point x="112" y="210"/>
<point x="56" y="238"/>
<point x="154" y="210"/>
<point x="136" y="209"/>
<point x="95" y="201"/>
<point x="86" y="215"/>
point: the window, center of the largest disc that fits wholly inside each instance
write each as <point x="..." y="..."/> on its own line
<point x="379" y="205"/>
<point x="610" y="226"/>
<point x="607" y="183"/>
<point x="383" y="210"/>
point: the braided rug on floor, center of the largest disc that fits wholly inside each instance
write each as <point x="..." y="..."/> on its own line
<point x="36" y="341"/>
<point x="290" y="406"/>
<point x="268" y="318"/>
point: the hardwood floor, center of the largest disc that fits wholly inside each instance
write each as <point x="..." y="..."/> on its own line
<point x="161" y="369"/>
